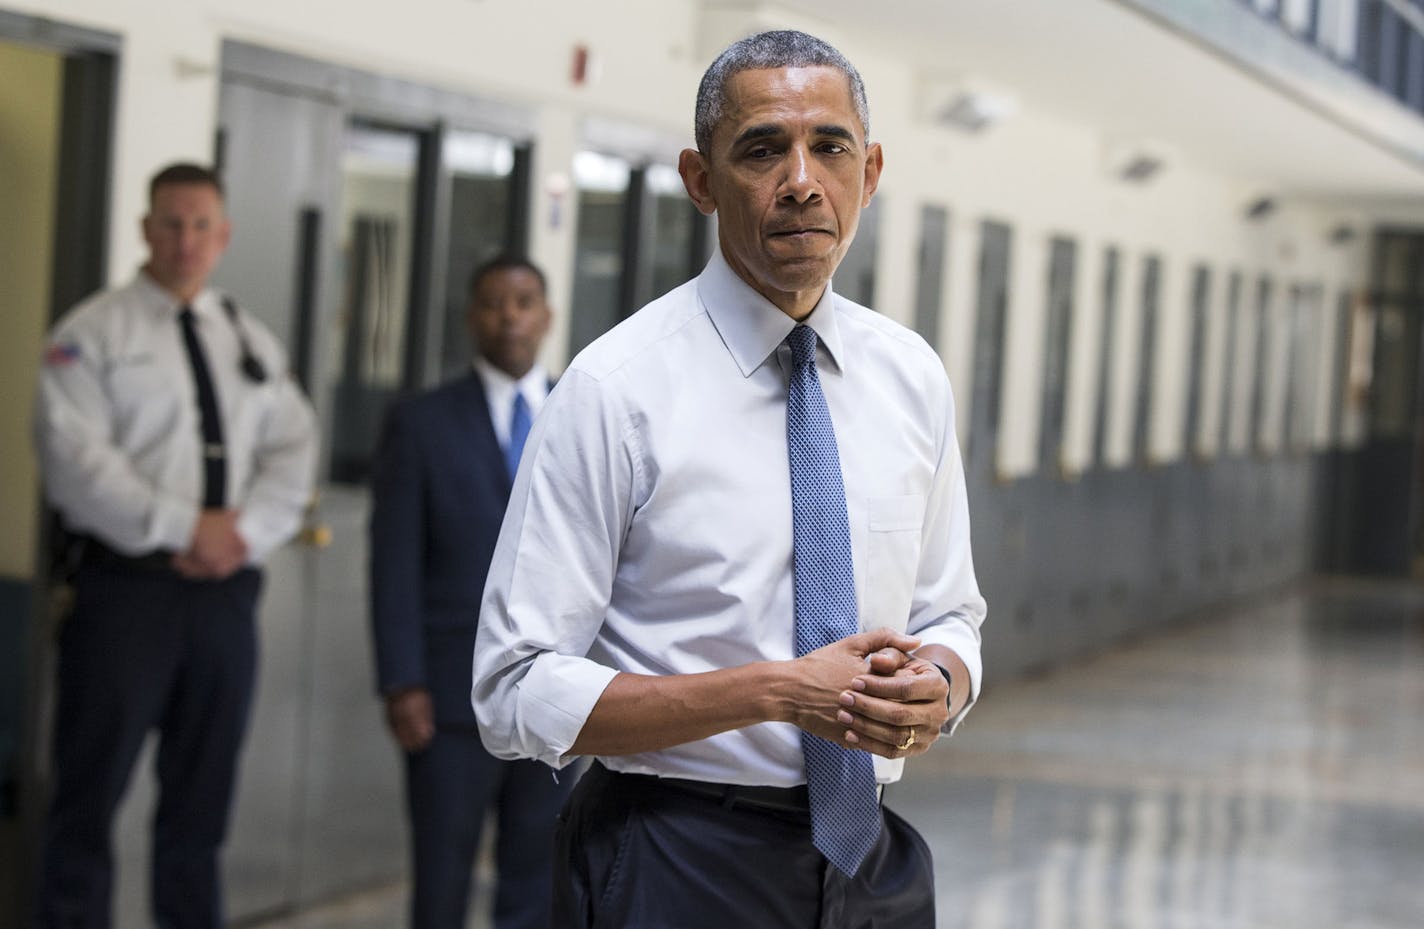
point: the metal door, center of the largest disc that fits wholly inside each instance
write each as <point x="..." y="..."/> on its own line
<point x="275" y="154"/>
<point x="356" y="223"/>
<point x="323" y="232"/>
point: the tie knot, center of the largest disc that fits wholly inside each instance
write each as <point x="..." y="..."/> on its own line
<point x="803" y="345"/>
<point x="185" y="315"/>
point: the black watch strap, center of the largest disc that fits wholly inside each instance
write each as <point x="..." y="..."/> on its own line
<point x="948" y="681"/>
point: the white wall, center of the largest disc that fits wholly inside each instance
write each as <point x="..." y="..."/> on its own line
<point x="1038" y="172"/>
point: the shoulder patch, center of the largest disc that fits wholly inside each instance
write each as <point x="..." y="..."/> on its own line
<point x="60" y="354"/>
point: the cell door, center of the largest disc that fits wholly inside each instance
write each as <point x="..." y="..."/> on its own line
<point x="316" y="751"/>
<point x="356" y="221"/>
<point x="325" y="247"/>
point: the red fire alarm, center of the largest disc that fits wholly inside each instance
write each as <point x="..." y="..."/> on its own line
<point x="579" y="73"/>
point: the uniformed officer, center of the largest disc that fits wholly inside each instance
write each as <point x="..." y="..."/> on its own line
<point x="175" y="445"/>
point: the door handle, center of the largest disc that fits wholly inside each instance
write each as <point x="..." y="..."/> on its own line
<point x="315" y="535"/>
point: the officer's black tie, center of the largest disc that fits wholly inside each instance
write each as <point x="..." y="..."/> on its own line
<point x="214" y="453"/>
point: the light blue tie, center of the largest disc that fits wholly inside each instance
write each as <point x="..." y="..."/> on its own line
<point x="845" y="811"/>
<point x="519" y="422"/>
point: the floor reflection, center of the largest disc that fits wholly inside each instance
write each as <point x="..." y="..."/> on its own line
<point x="1257" y="770"/>
<point x="1263" y="769"/>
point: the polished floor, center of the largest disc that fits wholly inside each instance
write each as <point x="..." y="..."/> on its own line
<point x="1258" y="769"/>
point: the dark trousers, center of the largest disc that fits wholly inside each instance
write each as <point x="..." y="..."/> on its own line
<point x="634" y="854"/>
<point x="450" y="787"/>
<point x="147" y="650"/>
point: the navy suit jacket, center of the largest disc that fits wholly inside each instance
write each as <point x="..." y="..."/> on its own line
<point x="439" y="490"/>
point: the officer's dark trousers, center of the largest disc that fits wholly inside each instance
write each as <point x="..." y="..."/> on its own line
<point x="636" y="855"/>
<point x="450" y="786"/>
<point x="147" y="650"/>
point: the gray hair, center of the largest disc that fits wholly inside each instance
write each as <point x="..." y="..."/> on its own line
<point x="783" y="48"/>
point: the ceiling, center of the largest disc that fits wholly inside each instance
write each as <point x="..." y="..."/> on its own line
<point x="1104" y="64"/>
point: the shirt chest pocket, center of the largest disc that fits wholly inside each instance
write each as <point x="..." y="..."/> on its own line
<point x="894" y="527"/>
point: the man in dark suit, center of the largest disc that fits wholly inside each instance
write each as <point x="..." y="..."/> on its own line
<point x="441" y="482"/>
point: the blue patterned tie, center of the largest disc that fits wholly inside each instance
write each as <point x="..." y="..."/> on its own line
<point x="519" y="421"/>
<point x="845" y="811"/>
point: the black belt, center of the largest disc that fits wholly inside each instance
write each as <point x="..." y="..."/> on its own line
<point x="96" y="552"/>
<point x="778" y="799"/>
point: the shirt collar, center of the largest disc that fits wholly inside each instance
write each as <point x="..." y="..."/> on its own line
<point x="206" y="303"/>
<point x="533" y="385"/>
<point x="751" y="326"/>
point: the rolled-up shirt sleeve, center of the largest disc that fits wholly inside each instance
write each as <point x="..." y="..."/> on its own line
<point x="948" y="608"/>
<point x="551" y="578"/>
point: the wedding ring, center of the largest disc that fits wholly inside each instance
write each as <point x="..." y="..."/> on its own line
<point x="909" y="740"/>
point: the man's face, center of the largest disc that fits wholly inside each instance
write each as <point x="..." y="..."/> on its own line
<point x="788" y="174"/>
<point x="186" y="231"/>
<point x="508" y="318"/>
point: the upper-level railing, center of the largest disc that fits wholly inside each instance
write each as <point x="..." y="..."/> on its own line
<point x="1381" y="40"/>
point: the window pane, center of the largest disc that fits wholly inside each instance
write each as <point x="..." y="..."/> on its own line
<point x="1340" y="367"/>
<point x="1201" y="287"/>
<point x="480" y="168"/>
<point x="1105" y="346"/>
<point x="669" y="242"/>
<point x="379" y="177"/>
<point x="929" y="279"/>
<point x="1261" y="367"/>
<point x="1414" y="71"/>
<point x="1151" y="283"/>
<point x="1367" y="43"/>
<point x="602" y="185"/>
<point x="995" y="244"/>
<point x="1062" y="257"/>
<point x="1228" y="364"/>
<point x="1294" y="359"/>
<point x="1296" y="15"/>
<point x="855" y="278"/>
<point x="1397" y="332"/>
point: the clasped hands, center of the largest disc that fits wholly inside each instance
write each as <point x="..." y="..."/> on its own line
<point x="873" y="694"/>
<point x="216" y="550"/>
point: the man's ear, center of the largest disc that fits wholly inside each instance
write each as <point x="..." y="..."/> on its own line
<point x="874" y="164"/>
<point x="692" y="165"/>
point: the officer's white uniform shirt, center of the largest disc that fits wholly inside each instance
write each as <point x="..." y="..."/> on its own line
<point x="119" y="430"/>
<point x="649" y="528"/>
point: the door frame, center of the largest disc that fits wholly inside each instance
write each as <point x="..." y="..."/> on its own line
<point x="86" y="148"/>
<point x="79" y="267"/>
<point x="428" y="112"/>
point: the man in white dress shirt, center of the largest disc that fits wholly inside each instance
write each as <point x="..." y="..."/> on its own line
<point x="656" y="599"/>
<point x="174" y="444"/>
